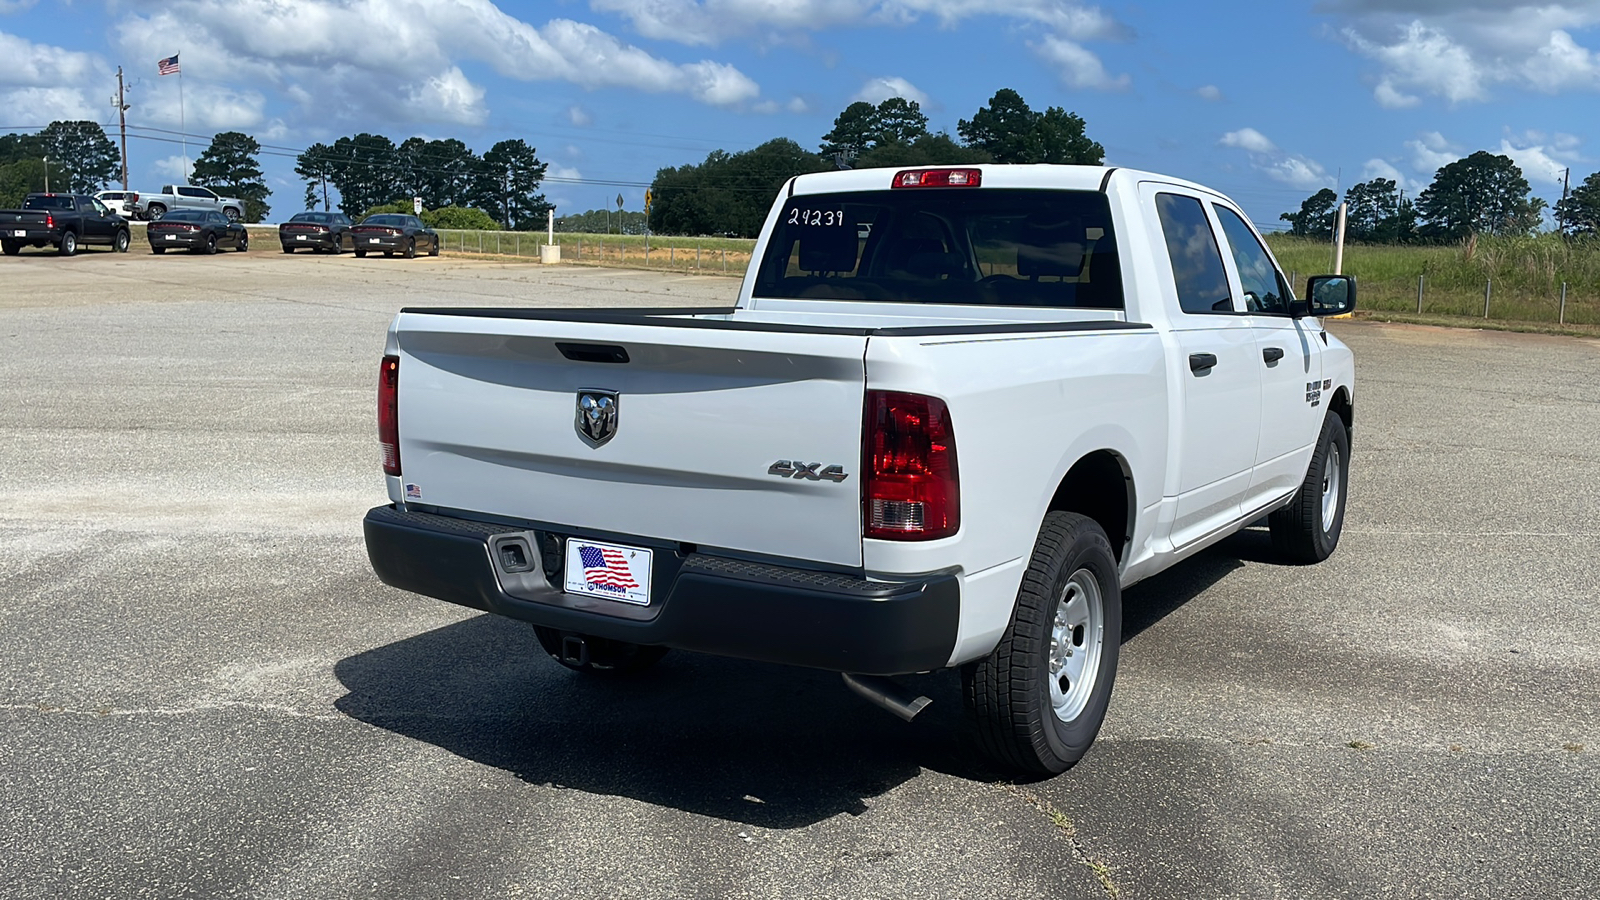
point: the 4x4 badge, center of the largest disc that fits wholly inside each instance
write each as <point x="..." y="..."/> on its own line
<point x="597" y="416"/>
<point x="784" y="468"/>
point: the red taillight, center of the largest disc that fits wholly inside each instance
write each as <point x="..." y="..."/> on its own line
<point x="911" y="491"/>
<point x="389" y="413"/>
<point x="49" y="220"/>
<point x="909" y="178"/>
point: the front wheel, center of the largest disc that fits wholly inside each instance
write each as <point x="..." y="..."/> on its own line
<point x="1037" y="701"/>
<point x="595" y="655"/>
<point x="121" y="241"/>
<point x="244" y="243"/>
<point x="1307" y="530"/>
<point x="68" y="245"/>
<point x="156" y="212"/>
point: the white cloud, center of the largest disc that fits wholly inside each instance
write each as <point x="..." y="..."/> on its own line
<point x="1537" y="165"/>
<point x="765" y="107"/>
<point x="563" y="173"/>
<point x="1265" y="157"/>
<point x="1430" y="151"/>
<point x="877" y="90"/>
<point x="1077" y="67"/>
<point x="707" y="22"/>
<point x="174" y="167"/>
<point x="798" y="105"/>
<point x="35" y="106"/>
<point x="1249" y="139"/>
<point x="578" y="116"/>
<point x="1382" y="168"/>
<point x="335" y="52"/>
<point x="201" y="106"/>
<point x="15" y="6"/>
<point x="41" y="83"/>
<point x="1209" y="92"/>
<point x="1457" y="50"/>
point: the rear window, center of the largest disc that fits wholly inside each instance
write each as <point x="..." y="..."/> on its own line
<point x="312" y="217"/>
<point x="50" y="203"/>
<point x="996" y="247"/>
<point x="392" y="221"/>
<point x="186" y="215"/>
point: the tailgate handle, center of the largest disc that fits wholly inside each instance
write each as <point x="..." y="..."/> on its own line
<point x="595" y="353"/>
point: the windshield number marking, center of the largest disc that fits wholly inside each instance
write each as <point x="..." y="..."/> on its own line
<point x="823" y="217"/>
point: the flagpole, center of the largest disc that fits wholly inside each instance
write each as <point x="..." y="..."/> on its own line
<point x="182" y="129"/>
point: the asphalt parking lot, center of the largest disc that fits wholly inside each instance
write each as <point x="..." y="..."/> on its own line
<point x="206" y="692"/>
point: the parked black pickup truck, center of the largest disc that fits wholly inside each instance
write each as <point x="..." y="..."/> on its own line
<point x="62" y="221"/>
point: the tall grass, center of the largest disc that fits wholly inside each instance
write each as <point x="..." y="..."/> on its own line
<point x="1522" y="275"/>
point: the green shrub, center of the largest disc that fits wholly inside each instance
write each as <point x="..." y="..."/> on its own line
<point x="462" y="217"/>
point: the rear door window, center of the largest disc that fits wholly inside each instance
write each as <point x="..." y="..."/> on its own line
<point x="1196" y="259"/>
<point x="995" y="247"/>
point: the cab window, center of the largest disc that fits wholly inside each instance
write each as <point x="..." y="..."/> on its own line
<point x="1196" y="259"/>
<point x="1265" y="290"/>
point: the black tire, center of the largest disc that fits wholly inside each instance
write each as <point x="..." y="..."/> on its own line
<point x="68" y="245"/>
<point x="211" y="244"/>
<point x="433" y="247"/>
<point x="388" y="253"/>
<point x="158" y="250"/>
<point x="232" y="214"/>
<point x="122" y="240"/>
<point x="155" y="212"/>
<point x="1009" y="693"/>
<point x="1307" y="530"/>
<point x="606" y="657"/>
<point x="338" y="244"/>
<point x="360" y="253"/>
<point x="244" y="243"/>
<point x="411" y="249"/>
<point x="287" y="248"/>
<point x="11" y="248"/>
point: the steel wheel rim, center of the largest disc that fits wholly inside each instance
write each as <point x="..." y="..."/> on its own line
<point x="1077" y="641"/>
<point x="1332" y="472"/>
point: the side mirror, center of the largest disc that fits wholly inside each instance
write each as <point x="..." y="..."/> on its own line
<point x="1327" y="295"/>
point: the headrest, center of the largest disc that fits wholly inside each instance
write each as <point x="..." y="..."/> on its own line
<point x="824" y="249"/>
<point x="1051" y="251"/>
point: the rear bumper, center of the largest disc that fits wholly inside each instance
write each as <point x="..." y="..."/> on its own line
<point x="703" y="603"/>
<point x="29" y="235"/>
<point x="307" y="239"/>
<point x="385" y="243"/>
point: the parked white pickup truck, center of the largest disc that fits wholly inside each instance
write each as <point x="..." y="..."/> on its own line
<point x="186" y="196"/>
<point x="953" y="413"/>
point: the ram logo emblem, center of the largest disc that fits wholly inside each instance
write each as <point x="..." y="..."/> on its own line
<point x="804" y="471"/>
<point x="597" y="416"/>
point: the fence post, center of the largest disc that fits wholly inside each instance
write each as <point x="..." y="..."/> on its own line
<point x="518" y="249"/>
<point x="724" y="259"/>
<point x="1488" y="289"/>
<point x="1562" y="320"/>
<point x="697" y="257"/>
<point x="672" y="256"/>
<point x="1419" y="293"/>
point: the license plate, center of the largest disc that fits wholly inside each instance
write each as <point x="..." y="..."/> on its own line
<point x="372" y="240"/>
<point x="299" y="237"/>
<point x="612" y="571"/>
<point x="172" y="237"/>
<point x="20" y="232"/>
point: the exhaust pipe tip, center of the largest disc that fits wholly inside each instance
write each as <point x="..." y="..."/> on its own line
<point x="888" y="694"/>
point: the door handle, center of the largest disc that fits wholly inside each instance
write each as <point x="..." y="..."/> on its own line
<point x="1272" y="354"/>
<point x="1202" y="362"/>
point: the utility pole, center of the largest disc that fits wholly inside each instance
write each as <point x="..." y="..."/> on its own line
<point x="324" y="176"/>
<point x="47" y="174"/>
<point x="1566" y="182"/>
<point x="122" y="125"/>
<point x="507" y="207"/>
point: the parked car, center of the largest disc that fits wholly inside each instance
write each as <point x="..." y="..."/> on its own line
<point x="321" y="231"/>
<point x="120" y="202"/>
<point x="196" y="229"/>
<point x="63" y="221"/>
<point x="187" y="196"/>
<point x="1115" y="357"/>
<point x="393" y="233"/>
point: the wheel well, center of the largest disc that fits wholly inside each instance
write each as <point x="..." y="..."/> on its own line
<point x="1100" y="486"/>
<point x="1341" y="406"/>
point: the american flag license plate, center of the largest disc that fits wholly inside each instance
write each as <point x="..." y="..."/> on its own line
<point x="612" y="571"/>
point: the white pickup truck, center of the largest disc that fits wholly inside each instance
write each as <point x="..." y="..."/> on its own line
<point x="953" y="413"/>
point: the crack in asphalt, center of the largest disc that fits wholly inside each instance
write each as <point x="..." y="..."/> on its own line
<point x="1069" y="832"/>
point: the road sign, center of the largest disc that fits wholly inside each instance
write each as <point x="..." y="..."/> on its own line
<point x="416" y="206"/>
<point x="619" y="201"/>
<point x="647" y="198"/>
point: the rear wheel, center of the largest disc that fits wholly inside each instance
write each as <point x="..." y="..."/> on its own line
<point x="1038" y="700"/>
<point x="411" y="249"/>
<point x="360" y="253"/>
<point x="68" y="245"/>
<point x="586" y="653"/>
<point x="338" y="244"/>
<point x="121" y="241"/>
<point x="1307" y="530"/>
<point x="433" y="246"/>
<point x="158" y="250"/>
<point x="232" y="214"/>
<point x="11" y="248"/>
<point x="287" y="248"/>
<point x="211" y="244"/>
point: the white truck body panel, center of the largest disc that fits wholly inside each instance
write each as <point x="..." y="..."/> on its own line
<point x="486" y="412"/>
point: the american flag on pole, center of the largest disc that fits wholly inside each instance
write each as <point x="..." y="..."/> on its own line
<point x="168" y="66"/>
<point x="606" y="567"/>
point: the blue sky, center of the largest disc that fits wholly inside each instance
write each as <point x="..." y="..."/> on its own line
<point x="1265" y="101"/>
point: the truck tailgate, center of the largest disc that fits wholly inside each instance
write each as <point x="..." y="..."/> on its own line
<point x="488" y="412"/>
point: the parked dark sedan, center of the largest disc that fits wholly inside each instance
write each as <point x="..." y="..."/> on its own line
<point x="197" y="229"/>
<point x="321" y="231"/>
<point x="394" y="233"/>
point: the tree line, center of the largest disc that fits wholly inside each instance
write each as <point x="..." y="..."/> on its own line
<point x="370" y="170"/>
<point x="73" y="157"/>
<point x="1484" y="193"/>
<point x="730" y="193"/>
